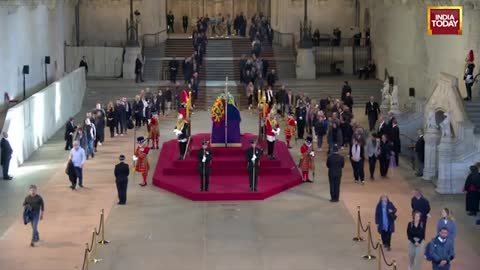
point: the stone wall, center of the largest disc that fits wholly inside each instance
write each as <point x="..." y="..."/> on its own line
<point x="104" y="21"/>
<point x="402" y="46"/>
<point x="29" y="33"/>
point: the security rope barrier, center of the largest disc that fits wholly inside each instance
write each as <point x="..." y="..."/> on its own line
<point x="98" y="237"/>
<point x="371" y="245"/>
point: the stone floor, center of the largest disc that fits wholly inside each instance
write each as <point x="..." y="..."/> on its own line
<point x="298" y="229"/>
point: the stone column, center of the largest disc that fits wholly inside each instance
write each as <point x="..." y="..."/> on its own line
<point x="432" y="137"/>
<point x="445" y="151"/>
<point x="131" y="54"/>
<point x="305" y="67"/>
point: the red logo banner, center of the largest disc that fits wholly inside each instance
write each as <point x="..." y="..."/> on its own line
<point x="444" y="20"/>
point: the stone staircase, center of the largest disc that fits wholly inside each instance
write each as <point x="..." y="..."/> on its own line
<point x="153" y="65"/>
<point x="472" y="109"/>
<point x="220" y="61"/>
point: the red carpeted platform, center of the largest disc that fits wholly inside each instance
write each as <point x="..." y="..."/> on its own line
<point x="229" y="176"/>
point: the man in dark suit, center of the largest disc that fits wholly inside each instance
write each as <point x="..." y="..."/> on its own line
<point x="173" y="68"/>
<point x="204" y="158"/>
<point x="372" y="110"/>
<point x="253" y="156"/>
<point x="420" y="150"/>
<point x="301" y="117"/>
<point x="346" y="88"/>
<point x="383" y="128"/>
<point x="138" y="69"/>
<point x="396" y="146"/>
<point x="185" y="23"/>
<point x="170" y="22"/>
<point x="6" y="156"/>
<point x="335" y="163"/>
<point x="270" y="97"/>
<point x="348" y="101"/>
<point x="121" y="179"/>
<point x="69" y="130"/>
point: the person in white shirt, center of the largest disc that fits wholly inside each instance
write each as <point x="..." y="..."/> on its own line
<point x="357" y="157"/>
<point x="78" y="157"/>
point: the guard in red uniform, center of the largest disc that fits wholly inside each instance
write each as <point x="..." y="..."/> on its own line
<point x="306" y="159"/>
<point x="154" y="132"/>
<point x="291" y="128"/>
<point x="271" y="130"/>
<point x="141" y="159"/>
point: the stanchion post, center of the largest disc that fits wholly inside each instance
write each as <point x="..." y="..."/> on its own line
<point x="394" y="264"/>
<point x="102" y="229"/>
<point x="379" y="254"/>
<point x="93" y="248"/>
<point x="369" y="255"/>
<point x="358" y="238"/>
<point x="85" y="258"/>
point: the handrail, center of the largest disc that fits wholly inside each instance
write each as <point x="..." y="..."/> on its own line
<point x="156" y="38"/>
<point x="277" y="39"/>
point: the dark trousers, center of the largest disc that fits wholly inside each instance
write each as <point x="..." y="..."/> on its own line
<point x="112" y="131"/>
<point x="384" y="166"/>
<point x="358" y="172"/>
<point x="185" y="27"/>
<point x="204" y="180"/>
<point x="173" y="76"/>
<point x="138" y="77"/>
<point x="79" y="175"/>
<point x="300" y="129"/>
<point x="469" y="90"/>
<point x="371" y="165"/>
<point x="386" y="238"/>
<point x="253" y="178"/>
<point x="138" y="120"/>
<point x="5" y="166"/>
<point x="182" y="146"/>
<point x="270" y="147"/>
<point x="371" y="123"/>
<point x="396" y="158"/>
<point x="120" y="127"/>
<point x="69" y="142"/>
<point x="122" y="191"/>
<point x="334" y="187"/>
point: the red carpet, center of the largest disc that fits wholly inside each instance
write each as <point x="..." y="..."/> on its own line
<point x="229" y="177"/>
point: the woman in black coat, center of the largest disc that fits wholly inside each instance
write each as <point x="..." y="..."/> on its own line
<point x="111" y="119"/>
<point x="138" y="111"/>
<point x="472" y="190"/>
<point x="385" y="216"/>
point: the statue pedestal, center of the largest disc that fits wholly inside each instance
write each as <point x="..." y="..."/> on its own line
<point x="394" y="109"/>
<point x="306" y="68"/>
<point x="131" y="54"/>
<point x="445" y="150"/>
<point x="432" y="137"/>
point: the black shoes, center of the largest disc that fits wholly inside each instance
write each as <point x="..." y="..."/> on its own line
<point x="80" y="185"/>
<point x="333" y="201"/>
<point x="8" y="178"/>
<point x="72" y="187"/>
<point x="142" y="184"/>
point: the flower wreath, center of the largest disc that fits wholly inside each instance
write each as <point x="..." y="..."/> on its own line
<point x="218" y="111"/>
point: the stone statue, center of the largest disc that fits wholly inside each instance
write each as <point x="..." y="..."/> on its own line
<point x="431" y="121"/>
<point x="394" y="96"/>
<point x="445" y="125"/>
<point x="385" y="94"/>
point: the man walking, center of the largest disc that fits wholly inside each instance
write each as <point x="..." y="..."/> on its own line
<point x="69" y="130"/>
<point x="422" y="205"/>
<point x="441" y="251"/>
<point x="6" y="156"/>
<point x="253" y="158"/>
<point x="420" y="150"/>
<point x="173" y="68"/>
<point x="78" y="157"/>
<point x="34" y="208"/>
<point x="121" y="172"/>
<point x="335" y="163"/>
<point x="372" y="110"/>
<point x="139" y="69"/>
<point x="204" y="158"/>
<point x="357" y="157"/>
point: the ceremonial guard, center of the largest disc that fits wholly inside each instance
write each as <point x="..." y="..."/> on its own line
<point x="154" y="132"/>
<point x="181" y="133"/>
<point x="290" y="129"/>
<point x="253" y="158"/>
<point x="183" y="103"/>
<point x="204" y="158"/>
<point x="140" y="159"/>
<point x="306" y="159"/>
<point x="271" y="130"/>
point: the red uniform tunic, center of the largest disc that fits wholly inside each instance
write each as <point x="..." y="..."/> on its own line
<point x="154" y="132"/>
<point x="306" y="161"/>
<point x="184" y="97"/>
<point x="142" y="165"/>
<point x="269" y="130"/>
<point x="291" y="127"/>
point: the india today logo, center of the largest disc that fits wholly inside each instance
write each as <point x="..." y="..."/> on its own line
<point x="445" y="20"/>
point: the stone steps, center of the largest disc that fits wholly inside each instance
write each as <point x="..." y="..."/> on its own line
<point x="472" y="109"/>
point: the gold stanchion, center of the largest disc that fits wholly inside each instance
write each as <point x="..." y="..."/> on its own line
<point x="85" y="258"/>
<point x="102" y="229"/>
<point x="369" y="255"/>
<point x="93" y="248"/>
<point x="394" y="264"/>
<point x="379" y="254"/>
<point x="358" y="238"/>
